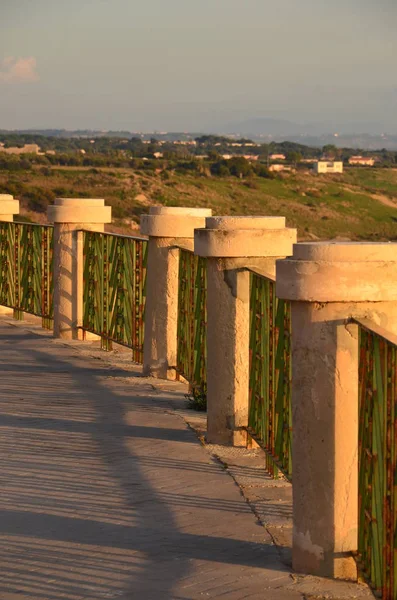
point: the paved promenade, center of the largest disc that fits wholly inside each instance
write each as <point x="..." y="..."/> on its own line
<point x="107" y="493"/>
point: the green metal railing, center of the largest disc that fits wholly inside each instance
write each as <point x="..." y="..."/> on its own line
<point x="114" y="289"/>
<point x="26" y="270"/>
<point x="192" y="321"/>
<point x="377" y="541"/>
<point x="270" y="418"/>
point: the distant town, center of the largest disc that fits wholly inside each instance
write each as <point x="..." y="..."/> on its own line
<point x="219" y="153"/>
<point x="261" y="131"/>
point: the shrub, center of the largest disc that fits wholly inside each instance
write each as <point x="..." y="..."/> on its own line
<point x="239" y="167"/>
<point x="313" y="193"/>
<point x="220" y="169"/>
<point x="197" y="399"/>
<point x="119" y="212"/>
<point x="38" y="198"/>
<point x="61" y="192"/>
<point x="46" y="171"/>
<point x="252" y="185"/>
<point x="263" y="171"/>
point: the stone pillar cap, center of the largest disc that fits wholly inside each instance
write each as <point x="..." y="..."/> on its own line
<point x="173" y="221"/>
<point x="79" y="202"/>
<point x="339" y="272"/>
<point x="8" y="205"/>
<point x="345" y="251"/>
<point x="232" y="223"/>
<point x="179" y="210"/>
<point x="244" y="237"/>
<point x="79" y="210"/>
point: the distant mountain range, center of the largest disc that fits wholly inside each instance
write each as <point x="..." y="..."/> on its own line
<point x="281" y="127"/>
<point x="263" y="126"/>
<point x="367" y="136"/>
<point x="259" y="129"/>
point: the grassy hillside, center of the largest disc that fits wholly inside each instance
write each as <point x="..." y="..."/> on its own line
<point x="360" y="204"/>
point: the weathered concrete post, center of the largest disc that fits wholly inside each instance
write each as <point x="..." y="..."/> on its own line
<point x="231" y="245"/>
<point x="167" y="228"/>
<point x="328" y="283"/>
<point x="8" y="208"/>
<point x="70" y="215"/>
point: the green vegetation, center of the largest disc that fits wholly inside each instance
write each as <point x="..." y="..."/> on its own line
<point x="197" y="400"/>
<point x="126" y="150"/>
<point x="132" y="174"/>
<point x="360" y="204"/>
<point x="375" y="181"/>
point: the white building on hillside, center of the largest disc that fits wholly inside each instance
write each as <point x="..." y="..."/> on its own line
<point x="277" y="168"/>
<point x="277" y="157"/>
<point x="26" y="149"/>
<point x="323" y="166"/>
<point x="365" y="161"/>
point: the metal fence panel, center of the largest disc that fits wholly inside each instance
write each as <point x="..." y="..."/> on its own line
<point x="270" y="415"/>
<point x="192" y="321"/>
<point x="114" y="289"/>
<point x="377" y="541"/>
<point x="26" y="269"/>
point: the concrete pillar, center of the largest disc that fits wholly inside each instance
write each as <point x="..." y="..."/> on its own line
<point x="70" y="215"/>
<point x="167" y="228"/>
<point x="232" y="245"/>
<point x="8" y="208"/>
<point x="328" y="283"/>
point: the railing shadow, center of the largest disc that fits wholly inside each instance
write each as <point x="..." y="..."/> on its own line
<point x="79" y="514"/>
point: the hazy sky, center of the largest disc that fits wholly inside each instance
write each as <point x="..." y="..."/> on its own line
<point x="187" y="65"/>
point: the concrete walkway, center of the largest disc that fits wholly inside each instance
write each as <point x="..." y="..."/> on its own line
<point x="107" y="493"/>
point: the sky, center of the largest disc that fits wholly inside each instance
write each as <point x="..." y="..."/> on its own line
<point x="184" y="65"/>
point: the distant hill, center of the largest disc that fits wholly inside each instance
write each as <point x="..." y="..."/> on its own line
<point x="259" y="129"/>
<point x="368" y="136"/>
<point x="362" y="141"/>
<point x="361" y="204"/>
<point x="264" y="126"/>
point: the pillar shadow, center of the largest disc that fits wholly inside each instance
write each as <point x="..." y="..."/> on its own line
<point x="79" y="516"/>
